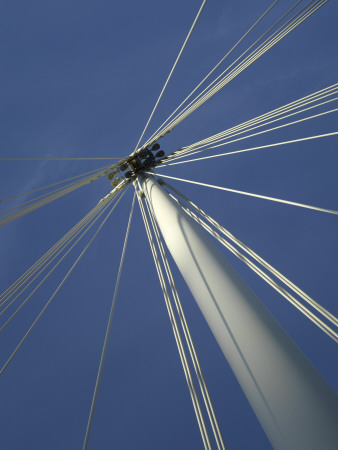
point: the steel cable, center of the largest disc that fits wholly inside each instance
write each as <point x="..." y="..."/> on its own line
<point x="187" y="334"/>
<point x="105" y="343"/>
<point x="329" y="316"/>
<point x="250" y="194"/>
<point x="285" y="29"/>
<point x="172" y="70"/>
<point x="51" y="255"/>
<point x="62" y="258"/>
<point x="178" y="338"/>
<point x="296" y="303"/>
<point x="55" y="292"/>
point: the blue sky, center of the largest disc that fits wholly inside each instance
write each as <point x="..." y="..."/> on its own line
<point x="80" y="79"/>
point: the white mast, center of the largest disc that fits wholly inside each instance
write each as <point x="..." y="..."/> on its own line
<point x="295" y="406"/>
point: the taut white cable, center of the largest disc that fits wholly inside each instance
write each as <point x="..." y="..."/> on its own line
<point x="105" y="343"/>
<point x="214" y="68"/>
<point x="187" y="334"/>
<point x="38" y="268"/>
<point x="51" y="185"/>
<point x="58" y="159"/>
<point x="178" y="339"/>
<point x="24" y="282"/>
<point x="54" y="294"/>
<point x="294" y="22"/>
<point x="41" y="261"/>
<point x="55" y="196"/>
<point x="195" y="148"/>
<point x="250" y="194"/>
<point x="276" y="144"/>
<point x="302" y="308"/>
<point x="255" y="256"/>
<point x="172" y="70"/>
<point x="63" y="257"/>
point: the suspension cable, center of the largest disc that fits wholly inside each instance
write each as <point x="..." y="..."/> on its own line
<point x="187" y="334"/>
<point x="212" y="71"/>
<point x="51" y="185"/>
<point x="270" y="42"/>
<point x="38" y="268"/>
<point x="329" y="316"/>
<point x="302" y="308"/>
<point x="277" y="114"/>
<point x="105" y="343"/>
<point x="285" y="29"/>
<point x="57" y="248"/>
<point x="25" y="283"/>
<point x="250" y="194"/>
<point x="218" y="139"/>
<point x="209" y="90"/>
<point x="55" y="292"/>
<point x="63" y="257"/>
<point x="191" y="150"/>
<point x="177" y="335"/>
<point x="50" y="198"/>
<point x="30" y="202"/>
<point x="43" y="259"/>
<point x="172" y="70"/>
<point x="59" y="159"/>
<point x="276" y="144"/>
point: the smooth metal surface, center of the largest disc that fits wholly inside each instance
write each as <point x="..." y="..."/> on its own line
<point x="295" y="406"/>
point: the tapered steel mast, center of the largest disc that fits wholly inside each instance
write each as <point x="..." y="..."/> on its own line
<point x="295" y="406"/>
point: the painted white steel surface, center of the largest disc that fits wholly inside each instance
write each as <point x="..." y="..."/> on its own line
<point x="295" y="406"/>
